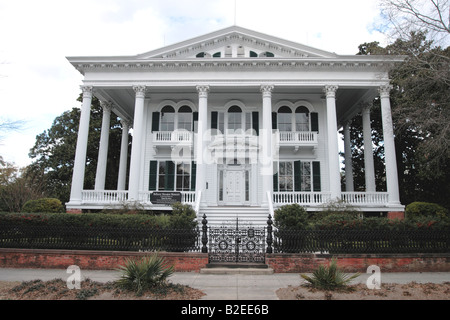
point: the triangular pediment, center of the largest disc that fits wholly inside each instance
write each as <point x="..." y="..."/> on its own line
<point x="235" y="42"/>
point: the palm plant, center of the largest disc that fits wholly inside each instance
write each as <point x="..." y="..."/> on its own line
<point x="139" y="276"/>
<point x="329" y="278"/>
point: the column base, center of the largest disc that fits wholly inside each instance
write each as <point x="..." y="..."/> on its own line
<point x="396" y="215"/>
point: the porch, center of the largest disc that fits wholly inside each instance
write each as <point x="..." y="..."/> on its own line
<point x="363" y="201"/>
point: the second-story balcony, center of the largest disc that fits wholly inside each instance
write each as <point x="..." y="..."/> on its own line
<point x="173" y="138"/>
<point x="296" y="139"/>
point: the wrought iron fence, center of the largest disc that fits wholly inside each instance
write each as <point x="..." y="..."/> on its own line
<point x="99" y="238"/>
<point x="361" y="241"/>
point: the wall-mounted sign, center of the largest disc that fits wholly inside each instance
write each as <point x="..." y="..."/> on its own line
<point x="167" y="198"/>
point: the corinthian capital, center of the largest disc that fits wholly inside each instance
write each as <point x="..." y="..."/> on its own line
<point x="87" y="91"/>
<point x="107" y="106"/>
<point x="267" y="89"/>
<point x="330" y="91"/>
<point x="203" y="91"/>
<point x="140" y="90"/>
<point x="385" y="90"/>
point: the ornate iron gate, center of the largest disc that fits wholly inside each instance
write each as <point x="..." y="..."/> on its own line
<point x="236" y="244"/>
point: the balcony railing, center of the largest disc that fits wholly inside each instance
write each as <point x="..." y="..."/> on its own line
<point x="296" y="139"/>
<point x="172" y="137"/>
<point x="104" y="196"/>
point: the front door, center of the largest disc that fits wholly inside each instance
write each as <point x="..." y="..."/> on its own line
<point x="234" y="186"/>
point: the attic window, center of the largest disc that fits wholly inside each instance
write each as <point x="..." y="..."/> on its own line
<point x="217" y="55"/>
<point x="267" y="54"/>
<point x="203" y="55"/>
<point x="253" y="54"/>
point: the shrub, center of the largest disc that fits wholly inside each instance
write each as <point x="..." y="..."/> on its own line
<point x="183" y="216"/>
<point x="139" y="276"/>
<point x="44" y="205"/>
<point x="329" y="278"/>
<point x="416" y="210"/>
<point x="291" y="216"/>
<point x="337" y="208"/>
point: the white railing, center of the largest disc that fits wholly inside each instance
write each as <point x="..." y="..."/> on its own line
<point x="306" y="198"/>
<point x="365" y="198"/>
<point x="187" y="197"/>
<point x="104" y="196"/>
<point x="297" y="137"/>
<point x="172" y="136"/>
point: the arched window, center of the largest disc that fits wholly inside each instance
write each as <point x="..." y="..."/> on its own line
<point x="185" y="118"/>
<point x="284" y="119"/>
<point x="267" y="54"/>
<point x="302" y="119"/>
<point x="234" y="118"/>
<point x="203" y="55"/>
<point x="167" y="118"/>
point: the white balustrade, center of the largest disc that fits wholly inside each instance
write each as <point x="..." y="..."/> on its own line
<point x="298" y="137"/>
<point x="172" y="136"/>
<point x="104" y="196"/>
<point x="365" y="198"/>
<point x="281" y="198"/>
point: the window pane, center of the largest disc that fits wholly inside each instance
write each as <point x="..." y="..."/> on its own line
<point x="285" y="121"/>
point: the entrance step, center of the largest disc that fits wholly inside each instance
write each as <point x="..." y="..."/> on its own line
<point x="237" y="268"/>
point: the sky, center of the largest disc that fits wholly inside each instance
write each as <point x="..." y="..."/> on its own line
<point x="37" y="83"/>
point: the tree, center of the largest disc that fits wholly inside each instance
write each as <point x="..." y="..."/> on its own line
<point x="406" y="16"/>
<point x="54" y="152"/>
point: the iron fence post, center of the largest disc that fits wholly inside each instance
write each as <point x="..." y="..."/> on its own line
<point x="204" y="234"/>
<point x="269" y="235"/>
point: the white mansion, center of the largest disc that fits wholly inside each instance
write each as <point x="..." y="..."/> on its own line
<point x="235" y="123"/>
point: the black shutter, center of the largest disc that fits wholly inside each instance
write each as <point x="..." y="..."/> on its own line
<point x="316" y="176"/>
<point x="297" y="176"/>
<point x="193" y="175"/>
<point x="314" y="121"/>
<point x="155" y="121"/>
<point x="194" y="120"/>
<point x="274" y="120"/>
<point x="255" y="122"/>
<point x="153" y="175"/>
<point x="214" y="119"/>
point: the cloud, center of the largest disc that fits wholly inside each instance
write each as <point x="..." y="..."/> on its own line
<point x="37" y="83"/>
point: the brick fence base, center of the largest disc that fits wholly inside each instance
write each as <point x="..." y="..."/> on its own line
<point x="284" y="263"/>
<point x="93" y="260"/>
<point x="193" y="262"/>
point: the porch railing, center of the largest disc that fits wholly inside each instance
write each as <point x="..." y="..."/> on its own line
<point x="365" y="198"/>
<point x="104" y="196"/>
<point x="306" y="198"/>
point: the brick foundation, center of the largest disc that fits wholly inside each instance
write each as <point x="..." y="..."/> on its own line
<point x="74" y="211"/>
<point x="400" y="215"/>
<point x="286" y="263"/>
<point x="93" y="260"/>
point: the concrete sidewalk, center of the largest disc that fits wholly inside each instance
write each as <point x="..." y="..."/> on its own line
<point x="235" y="286"/>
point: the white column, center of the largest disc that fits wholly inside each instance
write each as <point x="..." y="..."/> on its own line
<point x="100" y="175"/>
<point x="333" y="148"/>
<point x="82" y="140"/>
<point x="138" y="135"/>
<point x="369" y="167"/>
<point x="389" y="146"/>
<point x="349" y="186"/>
<point x="200" y="182"/>
<point x="121" y="182"/>
<point x="266" y="155"/>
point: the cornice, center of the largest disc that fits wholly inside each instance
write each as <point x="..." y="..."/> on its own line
<point x="238" y="64"/>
